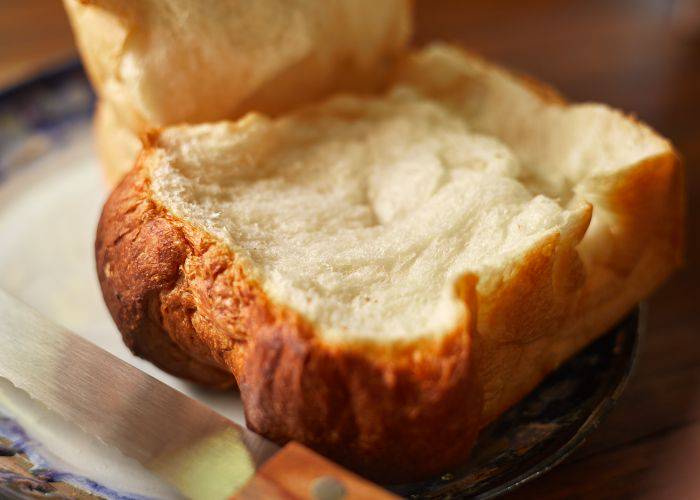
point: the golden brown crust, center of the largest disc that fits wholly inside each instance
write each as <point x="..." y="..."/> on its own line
<point x="181" y="300"/>
<point x="394" y="419"/>
<point x="520" y="318"/>
<point x="138" y="256"/>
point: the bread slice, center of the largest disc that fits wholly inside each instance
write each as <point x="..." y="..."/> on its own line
<point x="160" y="63"/>
<point x="383" y="276"/>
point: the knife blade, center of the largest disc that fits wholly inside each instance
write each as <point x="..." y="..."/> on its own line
<point x="198" y="451"/>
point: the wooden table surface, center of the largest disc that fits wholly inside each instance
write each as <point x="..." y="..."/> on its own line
<point x="642" y="56"/>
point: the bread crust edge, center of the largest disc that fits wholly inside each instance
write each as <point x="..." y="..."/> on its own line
<point x="181" y="300"/>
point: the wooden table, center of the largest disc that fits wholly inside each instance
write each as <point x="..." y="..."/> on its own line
<point x="631" y="54"/>
<point x="34" y="37"/>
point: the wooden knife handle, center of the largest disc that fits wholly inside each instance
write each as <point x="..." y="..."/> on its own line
<point x="296" y="472"/>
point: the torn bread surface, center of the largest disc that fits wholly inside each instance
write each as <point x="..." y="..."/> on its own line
<point x="361" y="214"/>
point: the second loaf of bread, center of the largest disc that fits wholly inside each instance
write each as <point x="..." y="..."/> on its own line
<point x="156" y="63"/>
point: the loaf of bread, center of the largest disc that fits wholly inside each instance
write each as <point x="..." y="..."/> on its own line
<point x="163" y="62"/>
<point x="383" y="276"/>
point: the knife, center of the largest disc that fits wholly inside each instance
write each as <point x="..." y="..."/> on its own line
<point x="196" y="450"/>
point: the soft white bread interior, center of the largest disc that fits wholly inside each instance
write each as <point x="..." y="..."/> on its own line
<point x="178" y="61"/>
<point x="364" y="213"/>
<point x="361" y="213"/>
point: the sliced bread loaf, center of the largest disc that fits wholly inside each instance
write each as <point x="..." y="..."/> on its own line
<point x="383" y="276"/>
